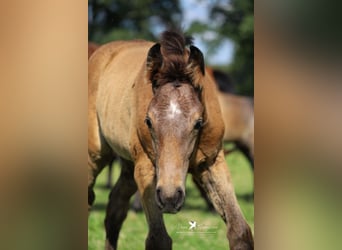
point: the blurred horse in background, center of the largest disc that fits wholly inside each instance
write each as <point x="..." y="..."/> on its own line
<point x="160" y="115"/>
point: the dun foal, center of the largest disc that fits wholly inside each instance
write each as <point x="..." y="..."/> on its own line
<point x="154" y="106"/>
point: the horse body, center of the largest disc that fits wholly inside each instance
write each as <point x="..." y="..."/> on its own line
<point x="238" y="117"/>
<point x="154" y="107"/>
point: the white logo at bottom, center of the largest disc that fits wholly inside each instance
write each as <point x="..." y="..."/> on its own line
<point x="192" y="224"/>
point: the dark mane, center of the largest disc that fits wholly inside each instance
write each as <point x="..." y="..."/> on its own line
<point x="174" y="47"/>
<point x="174" y="42"/>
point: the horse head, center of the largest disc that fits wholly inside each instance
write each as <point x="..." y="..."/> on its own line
<point x="175" y="115"/>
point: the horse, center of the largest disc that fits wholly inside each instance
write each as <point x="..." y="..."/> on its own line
<point x="238" y="116"/>
<point x="154" y="106"/>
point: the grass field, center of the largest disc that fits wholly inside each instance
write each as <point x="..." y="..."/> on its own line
<point x="211" y="230"/>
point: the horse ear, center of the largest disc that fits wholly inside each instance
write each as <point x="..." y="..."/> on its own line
<point x="154" y="62"/>
<point x="196" y="59"/>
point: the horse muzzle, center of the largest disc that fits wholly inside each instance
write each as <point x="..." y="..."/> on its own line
<point x="170" y="201"/>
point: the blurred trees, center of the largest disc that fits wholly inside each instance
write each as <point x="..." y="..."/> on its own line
<point x="238" y="24"/>
<point x="233" y="19"/>
<point x="130" y="19"/>
<point x="228" y="19"/>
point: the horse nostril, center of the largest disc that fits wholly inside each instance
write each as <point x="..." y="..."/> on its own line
<point x="171" y="201"/>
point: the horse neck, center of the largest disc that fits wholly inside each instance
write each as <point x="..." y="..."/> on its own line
<point x="210" y="141"/>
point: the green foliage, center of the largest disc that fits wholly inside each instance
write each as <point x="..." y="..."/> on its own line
<point x="134" y="230"/>
<point x="125" y="19"/>
<point x="237" y="19"/>
<point x="234" y="20"/>
<point x="145" y="19"/>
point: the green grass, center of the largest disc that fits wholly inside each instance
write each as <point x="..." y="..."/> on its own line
<point x="134" y="230"/>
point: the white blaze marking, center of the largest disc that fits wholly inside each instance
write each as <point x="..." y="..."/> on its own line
<point x="174" y="109"/>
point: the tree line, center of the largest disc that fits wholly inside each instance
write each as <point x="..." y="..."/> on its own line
<point x="145" y="19"/>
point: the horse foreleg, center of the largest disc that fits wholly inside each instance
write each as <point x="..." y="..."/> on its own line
<point x="158" y="238"/>
<point x="119" y="203"/>
<point x="216" y="181"/>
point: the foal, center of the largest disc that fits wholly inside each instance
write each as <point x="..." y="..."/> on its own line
<point x="154" y="106"/>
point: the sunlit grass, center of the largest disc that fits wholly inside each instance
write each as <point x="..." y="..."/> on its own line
<point x="134" y="230"/>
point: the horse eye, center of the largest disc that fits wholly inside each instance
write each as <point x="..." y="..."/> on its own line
<point x="198" y="124"/>
<point x="148" y="122"/>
